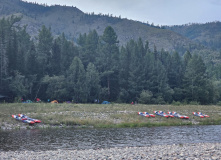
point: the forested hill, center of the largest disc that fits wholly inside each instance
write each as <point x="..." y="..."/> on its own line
<point x="208" y="34"/>
<point x="73" y="22"/>
<point x="39" y="59"/>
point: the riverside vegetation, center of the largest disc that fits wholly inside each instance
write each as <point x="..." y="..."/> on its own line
<point x="103" y="115"/>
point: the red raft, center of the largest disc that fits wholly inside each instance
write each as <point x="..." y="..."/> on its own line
<point x="146" y="114"/>
<point x="25" y="119"/>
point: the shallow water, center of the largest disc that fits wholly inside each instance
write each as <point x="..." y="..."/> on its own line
<point x="52" y="139"/>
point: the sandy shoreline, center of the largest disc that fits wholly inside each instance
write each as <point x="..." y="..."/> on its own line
<point x="178" y="151"/>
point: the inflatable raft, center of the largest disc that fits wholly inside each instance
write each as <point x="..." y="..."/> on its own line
<point x="146" y="114"/>
<point x="198" y="115"/>
<point x="31" y="119"/>
<point x="163" y="114"/>
<point x="175" y="114"/>
<point x="151" y="115"/>
<point x="24" y="120"/>
<point x="203" y="114"/>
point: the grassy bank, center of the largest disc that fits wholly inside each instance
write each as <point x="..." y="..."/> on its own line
<point x="105" y="115"/>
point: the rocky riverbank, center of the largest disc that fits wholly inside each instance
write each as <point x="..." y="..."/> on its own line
<point x="178" y="151"/>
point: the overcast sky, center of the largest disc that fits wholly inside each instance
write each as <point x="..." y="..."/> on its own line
<point x="162" y="12"/>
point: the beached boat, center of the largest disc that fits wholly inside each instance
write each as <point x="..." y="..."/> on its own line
<point x="151" y="115"/>
<point x="142" y="114"/>
<point x="24" y="120"/>
<point x="28" y="118"/>
<point x="175" y="114"/>
<point x="161" y="113"/>
<point x="198" y="115"/>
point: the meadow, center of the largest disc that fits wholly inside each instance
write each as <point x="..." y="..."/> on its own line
<point x="105" y="115"/>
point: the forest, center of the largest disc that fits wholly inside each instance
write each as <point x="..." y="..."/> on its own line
<point x="97" y="67"/>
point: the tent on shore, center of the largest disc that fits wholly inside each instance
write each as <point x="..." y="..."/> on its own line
<point x="105" y="102"/>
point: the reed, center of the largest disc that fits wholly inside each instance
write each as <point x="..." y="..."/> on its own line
<point x="108" y="115"/>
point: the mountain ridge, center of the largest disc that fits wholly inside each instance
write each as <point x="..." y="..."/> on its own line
<point x="73" y="22"/>
<point x="208" y="34"/>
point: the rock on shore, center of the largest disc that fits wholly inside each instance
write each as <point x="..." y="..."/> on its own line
<point x="178" y="151"/>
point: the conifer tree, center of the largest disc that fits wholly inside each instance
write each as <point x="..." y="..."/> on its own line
<point x="92" y="83"/>
<point x="195" y="80"/>
<point x="107" y="62"/>
<point x="55" y="65"/>
<point x="76" y="81"/>
<point x="44" y="49"/>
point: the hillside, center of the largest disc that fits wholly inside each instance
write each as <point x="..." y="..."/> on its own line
<point x="74" y="22"/>
<point x="208" y="34"/>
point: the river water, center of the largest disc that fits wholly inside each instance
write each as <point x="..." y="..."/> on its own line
<point x="53" y="139"/>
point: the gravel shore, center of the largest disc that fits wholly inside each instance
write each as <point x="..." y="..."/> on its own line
<point x="178" y="151"/>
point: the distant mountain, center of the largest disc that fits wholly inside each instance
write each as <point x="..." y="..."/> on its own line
<point x="208" y="34"/>
<point x="74" y="22"/>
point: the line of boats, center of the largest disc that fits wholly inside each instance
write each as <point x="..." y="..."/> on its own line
<point x="25" y="119"/>
<point x="172" y="114"/>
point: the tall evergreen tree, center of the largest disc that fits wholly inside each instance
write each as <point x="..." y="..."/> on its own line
<point x="68" y="52"/>
<point x="76" y="81"/>
<point x="31" y="61"/>
<point x="44" y="50"/>
<point x="195" y="80"/>
<point x="92" y="83"/>
<point x="24" y="44"/>
<point x="108" y="61"/>
<point x="124" y="71"/>
<point x="137" y="69"/>
<point x="55" y="65"/>
<point x="88" y="48"/>
<point x="6" y="44"/>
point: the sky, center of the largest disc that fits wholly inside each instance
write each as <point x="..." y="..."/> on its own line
<point x="158" y="12"/>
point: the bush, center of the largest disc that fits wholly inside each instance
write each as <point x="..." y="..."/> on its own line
<point x="160" y="100"/>
<point x="194" y="103"/>
<point x="145" y="97"/>
<point x="176" y="103"/>
<point x="17" y="99"/>
<point x="219" y="103"/>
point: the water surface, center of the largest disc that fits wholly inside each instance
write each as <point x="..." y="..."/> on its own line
<point x="52" y="139"/>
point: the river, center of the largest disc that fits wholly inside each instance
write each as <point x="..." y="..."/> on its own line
<point x="53" y="139"/>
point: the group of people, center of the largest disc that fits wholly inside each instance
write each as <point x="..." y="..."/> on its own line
<point x="133" y="103"/>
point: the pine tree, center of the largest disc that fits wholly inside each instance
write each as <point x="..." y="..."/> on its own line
<point x="6" y="44"/>
<point x="137" y="69"/>
<point x="44" y="49"/>
<point x="92" y="83"/>
<point x="24" y="44"/>
<point x="76" y="81"/>
<point x="88" y="47"/>
<point x="31" y="61"/>
<point x="68" y="52"/>
<point x="55" y="65"/>
<point x="124" y="74"/>
<point x="195" y="80"/>
<point x="108" y="61"/>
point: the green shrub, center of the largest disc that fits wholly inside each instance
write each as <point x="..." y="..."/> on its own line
<point x="176" y="103"/>
<point x="145" y="97"/>
<point x="219" y="103"/>
<point x="194" y="103"/>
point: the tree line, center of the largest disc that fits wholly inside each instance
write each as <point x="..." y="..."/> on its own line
<point x="98" y="68"/>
